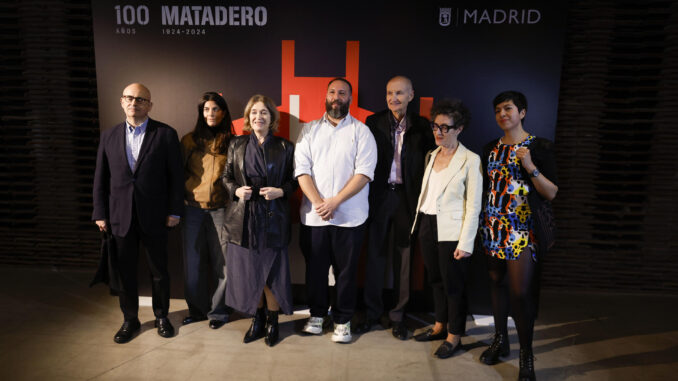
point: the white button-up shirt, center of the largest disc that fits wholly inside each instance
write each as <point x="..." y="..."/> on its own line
<point x="332" y="156"/>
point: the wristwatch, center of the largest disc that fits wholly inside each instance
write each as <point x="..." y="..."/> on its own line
<point x="535" y="173"/>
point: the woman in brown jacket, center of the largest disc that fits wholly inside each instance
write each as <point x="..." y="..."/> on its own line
<point x="204" y="151"/>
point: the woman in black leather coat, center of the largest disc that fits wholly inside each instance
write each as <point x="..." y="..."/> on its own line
<point x="259" y="179"/>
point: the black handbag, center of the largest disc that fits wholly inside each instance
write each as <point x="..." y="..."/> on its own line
<point x="108" y="271"/>
<point x="546" y="225"/>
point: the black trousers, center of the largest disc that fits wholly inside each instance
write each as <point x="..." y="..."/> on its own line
<point x="339" y="247"/>
<point x="128" y="259"/>
<point x="388" y="237"/>
<point x="446" y="275"/>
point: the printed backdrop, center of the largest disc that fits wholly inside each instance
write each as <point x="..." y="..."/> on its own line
<point x="287" y="50"/>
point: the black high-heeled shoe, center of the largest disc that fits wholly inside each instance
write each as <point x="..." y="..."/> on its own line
<point x="499" y="348"/>
<point x="271" y="328"/>
<point x="526" y="366"/>
<point x="258" y="328"/>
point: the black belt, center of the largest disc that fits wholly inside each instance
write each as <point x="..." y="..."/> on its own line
<point x="394" y="186"/>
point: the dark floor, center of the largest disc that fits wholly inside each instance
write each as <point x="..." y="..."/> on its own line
<point x="57" y="328"/>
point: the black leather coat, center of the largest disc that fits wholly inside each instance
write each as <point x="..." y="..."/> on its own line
<point x="279" y="156"/>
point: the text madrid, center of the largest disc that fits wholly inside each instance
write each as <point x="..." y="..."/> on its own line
<point x="497" y="16"/>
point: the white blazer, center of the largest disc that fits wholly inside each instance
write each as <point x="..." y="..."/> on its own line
<point x="458" y="206"/>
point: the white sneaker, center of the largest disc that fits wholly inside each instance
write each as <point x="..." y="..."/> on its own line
<point x="314" y="325"/>
<point x="342" y="333"/>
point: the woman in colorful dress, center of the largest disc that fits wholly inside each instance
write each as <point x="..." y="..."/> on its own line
<point x="447" y="220"/>
<point x="259" y="181"/>
<point x="204" y="151"/>
<point x="520" y="180"/>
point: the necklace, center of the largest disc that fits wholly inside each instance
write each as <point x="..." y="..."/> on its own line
<point x="524" y="136"/>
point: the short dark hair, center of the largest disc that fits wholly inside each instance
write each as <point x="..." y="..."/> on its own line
<point x="455" y="109"/>
<point x="517" y="97"/>
<point x="350" y="88"/>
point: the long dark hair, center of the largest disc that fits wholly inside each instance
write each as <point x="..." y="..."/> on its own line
<point x="202" y="133"/>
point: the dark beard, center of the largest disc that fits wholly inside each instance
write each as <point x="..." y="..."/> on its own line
<point x="339" y="113"/>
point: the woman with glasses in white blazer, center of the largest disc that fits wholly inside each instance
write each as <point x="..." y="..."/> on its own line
<point x="447" y="221"/>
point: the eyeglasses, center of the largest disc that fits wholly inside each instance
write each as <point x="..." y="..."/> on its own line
<point x="444" y="128"/>
<point x="130" y="99"/>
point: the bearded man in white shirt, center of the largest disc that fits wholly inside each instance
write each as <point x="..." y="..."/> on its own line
<point x="335" y="158"/>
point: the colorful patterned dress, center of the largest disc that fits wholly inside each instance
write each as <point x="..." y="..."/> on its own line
<point x="507" y="219"/>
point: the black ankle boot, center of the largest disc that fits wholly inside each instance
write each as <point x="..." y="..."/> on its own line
<point x="526" y="366"/>
<point x="271" y="328"/>
<point x="498" y="348"/>
<point x="258" y="327"/>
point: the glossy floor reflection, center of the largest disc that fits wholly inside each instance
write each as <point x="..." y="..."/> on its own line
<point x="54" y="327"/>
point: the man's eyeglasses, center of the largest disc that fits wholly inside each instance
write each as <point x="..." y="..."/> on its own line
<point x="444" y="128"/>
<point x="130" y="99"/>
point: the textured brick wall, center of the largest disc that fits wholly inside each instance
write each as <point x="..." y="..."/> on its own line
<point x="615" y="137"/>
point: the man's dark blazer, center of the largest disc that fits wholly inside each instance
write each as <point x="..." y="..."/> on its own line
<point x="418" y="141"/>
<point x="155" y="188"/>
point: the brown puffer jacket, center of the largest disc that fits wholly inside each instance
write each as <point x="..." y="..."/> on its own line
<point x="203" y="187"/>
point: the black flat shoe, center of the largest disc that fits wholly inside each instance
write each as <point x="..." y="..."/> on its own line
<point x="257" y="328"/>
<point x="400" y="330"/>
<point x="430" y="336"/>
<point x="216" y="324"/>
<point x="499" y="348"/>
<point x="165" y="328"/>
<point x="193" y="319"/>
<point x="364" y="327"/>
<point x="447" y="349"/>
<point x="127" y="331"/>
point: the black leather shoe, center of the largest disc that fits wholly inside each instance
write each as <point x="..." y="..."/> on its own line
<point x="526" y="366"/>
<point x="430" y="336"/>
<point x="272" y="333"/>
<point x="193" y="319"/>
<point x="400" y="330"/>
<point x="127" y="331"/>
<point x="165" y="328"/>
<point x="257" y="328"/>
<point x="216" y="324"/>
<point x="499" y="348"/>
<point x="447" y="349"/>
<point x="364" y="327"/>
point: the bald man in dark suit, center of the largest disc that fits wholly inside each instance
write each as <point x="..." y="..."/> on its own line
<point x="403" y="139"/>
<point x="138" y="196"/>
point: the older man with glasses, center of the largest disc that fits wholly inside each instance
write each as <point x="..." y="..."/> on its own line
<point x="138" y="196"/>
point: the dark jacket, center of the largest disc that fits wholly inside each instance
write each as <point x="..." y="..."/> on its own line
<point x="543" y="156"/>
<point x="279" y="156"/>
<point x="418" y="141"/>
<point x="155" y="188"/>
